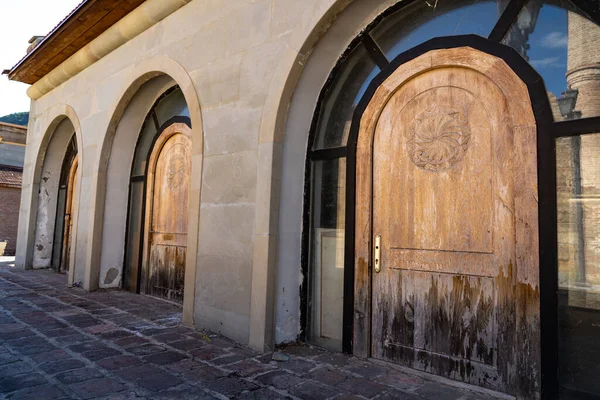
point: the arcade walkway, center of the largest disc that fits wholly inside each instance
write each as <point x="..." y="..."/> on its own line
<point x="66" y="343"/>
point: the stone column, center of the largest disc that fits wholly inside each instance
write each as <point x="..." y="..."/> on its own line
<point x="583" y="65"/>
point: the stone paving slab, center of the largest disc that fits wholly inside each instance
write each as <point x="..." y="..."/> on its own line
<point x="59" y="343"/>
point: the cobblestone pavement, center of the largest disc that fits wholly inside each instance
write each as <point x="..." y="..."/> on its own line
<point x="67" y="343"/>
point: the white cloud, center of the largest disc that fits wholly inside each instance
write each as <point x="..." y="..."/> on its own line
<point x="555" y="40"/>
<point x="20" y="21"/>
<point x="546" y="62"/>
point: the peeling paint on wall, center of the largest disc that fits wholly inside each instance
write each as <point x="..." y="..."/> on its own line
<point x="43" y="241"/>
<point x="111" y="276"/>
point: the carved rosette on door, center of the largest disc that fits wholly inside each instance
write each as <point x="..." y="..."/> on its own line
<point x="177" y="171"/>
<point x="438" y="138"/>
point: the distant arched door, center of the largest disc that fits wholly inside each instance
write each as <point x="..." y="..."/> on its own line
<point x="165" y="241"/>
<point x="71" y="207"/>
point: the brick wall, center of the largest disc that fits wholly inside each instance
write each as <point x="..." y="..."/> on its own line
<point x="10" y="199"/>
<point x="590" y="188"/>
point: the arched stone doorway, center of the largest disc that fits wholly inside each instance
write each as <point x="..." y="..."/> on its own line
<point x="397" y="36"/>
<point x="55" y="229"/>
<point x="138" y="218"/>
<point x="66" y="209"/>
<point x="162" y="94"/>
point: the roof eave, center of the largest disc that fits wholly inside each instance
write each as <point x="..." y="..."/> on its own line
<point x="15" y="69"/>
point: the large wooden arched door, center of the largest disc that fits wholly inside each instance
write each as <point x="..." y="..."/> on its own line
<point x="165" y="241"/>
<point x="70" y="209"/>
<point x="447" y="216"/>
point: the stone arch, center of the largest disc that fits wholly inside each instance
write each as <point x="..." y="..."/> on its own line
<point x="149" y="79"/>
<point x="300" y="75"/>
<point x="45" y="156"/>
<point x="116" y="168"/>
<point x="287" y="117"/>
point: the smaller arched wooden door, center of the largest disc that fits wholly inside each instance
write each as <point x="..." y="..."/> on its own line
<point x="71" y="207"/>
<point x="165" y="239"/>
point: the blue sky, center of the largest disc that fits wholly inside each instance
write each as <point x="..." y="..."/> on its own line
<point x="548" y="52"/>
<point x="479" y="19"/>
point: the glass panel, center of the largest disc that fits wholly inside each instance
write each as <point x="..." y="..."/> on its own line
<point x="327" y="253"/>
<point x="172" y="105"/>
<point x="134" y="235"/>
<point x="142" y="151"/>
<point x="578" y="186"/>
<point x="59" y="227"/>
<point x="350" y="83"/>
<point x="564" y="47"/>
<point x="424" y="20"/>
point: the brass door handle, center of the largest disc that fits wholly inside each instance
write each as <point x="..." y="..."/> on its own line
<point x="377" y="254"/>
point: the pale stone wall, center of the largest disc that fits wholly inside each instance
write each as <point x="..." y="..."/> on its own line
<point x="239" y="61"/>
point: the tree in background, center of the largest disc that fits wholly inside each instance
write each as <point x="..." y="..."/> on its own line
<point x="19" y="118"/>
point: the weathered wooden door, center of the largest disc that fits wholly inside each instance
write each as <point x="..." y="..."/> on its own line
<point x="167" y="214"/>
<point x="71" y="208"/>
<point x="450" y="152"/>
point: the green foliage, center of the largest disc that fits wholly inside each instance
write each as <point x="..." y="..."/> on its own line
<point x="19" y="118"/>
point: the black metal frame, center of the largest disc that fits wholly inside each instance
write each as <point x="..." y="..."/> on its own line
<point x="547" y="132"/>
<point x="142" y="178"/>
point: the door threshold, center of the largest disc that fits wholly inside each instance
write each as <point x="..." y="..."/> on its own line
<point x="161" y="299"/>
<point x="444" y="380"/>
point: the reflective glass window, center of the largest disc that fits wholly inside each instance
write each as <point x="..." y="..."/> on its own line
<point x="423" y="20"/>
<point x="564" y="47"/>
<point x="170" y="106"/>
<point x="327" y="252"/>
<point x="578" y="195"/>
<point x="59" y="227"/>
<point x="143" y="147"/>
<point x="134" y="235"/>
<point x="343" y="95"/>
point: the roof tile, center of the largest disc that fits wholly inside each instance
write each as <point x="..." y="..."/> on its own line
<point x="10" y="177"/>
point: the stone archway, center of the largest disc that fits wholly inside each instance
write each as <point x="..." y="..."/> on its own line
<point x="40" y="188"/>
<point x="286" y="124"/>
<point x="164" y="72"/>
